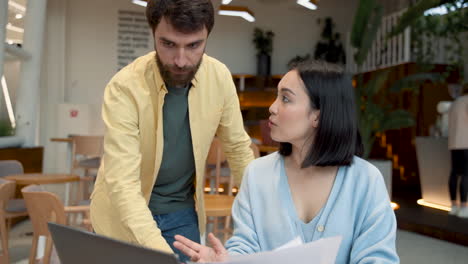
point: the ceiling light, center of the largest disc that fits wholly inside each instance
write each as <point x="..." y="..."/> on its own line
<point x="13" y="28"/>
<point x="310" y="4"/>
<point x="239" y="11"/>
<point x="225" y="2"/>
<point x="18" y="16"/>
<point x="433" y="205"/>
<point x="140" y="2"/>
<point x="17" y="6"/>
<point x="6" y="95"/>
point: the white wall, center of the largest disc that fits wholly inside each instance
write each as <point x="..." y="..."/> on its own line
<point x="92" y="33"/>
<point x="80" y="54"/>
<point x="295" y="27"/>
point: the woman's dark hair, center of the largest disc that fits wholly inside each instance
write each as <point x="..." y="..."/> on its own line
<point x="337" y="139"/>
<point x="187" y="16"/>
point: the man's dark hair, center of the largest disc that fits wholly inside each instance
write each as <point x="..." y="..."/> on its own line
<point x="187" y="16"/>
<point x="337" y="139"/>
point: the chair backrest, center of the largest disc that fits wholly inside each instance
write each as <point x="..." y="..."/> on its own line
<point x="255" y="150"/>
<point x="10" y="167"/>
<point x="215" y="159"/>
<point x="215" y="154"/>
<point x="90" y="146"/>
<point x="43" y="207"/>
<point x="7" y="190"/>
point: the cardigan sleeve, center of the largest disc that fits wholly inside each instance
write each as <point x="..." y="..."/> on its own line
<point x="375" y="240"/>
<point x="245" y="238"/>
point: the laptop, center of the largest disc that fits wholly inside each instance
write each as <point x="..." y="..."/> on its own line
<point x="75" y="246"/>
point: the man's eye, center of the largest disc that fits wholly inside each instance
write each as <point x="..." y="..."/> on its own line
<point x="194" y="45"/>
<point x="168" y="44"/>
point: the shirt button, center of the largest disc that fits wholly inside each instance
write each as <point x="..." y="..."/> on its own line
<point x="320" y="228"/>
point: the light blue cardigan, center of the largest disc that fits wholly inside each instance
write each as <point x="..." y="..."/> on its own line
<point x="358" y="209"/>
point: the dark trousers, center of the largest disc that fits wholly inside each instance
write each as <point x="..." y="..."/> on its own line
<point x="183" y="222"/>
<point x="459" y="168"/>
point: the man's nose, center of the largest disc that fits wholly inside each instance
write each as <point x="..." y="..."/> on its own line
<point x="181" y="58"/>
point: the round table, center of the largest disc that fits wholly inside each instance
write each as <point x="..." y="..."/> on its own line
<point x="40" y="178"/>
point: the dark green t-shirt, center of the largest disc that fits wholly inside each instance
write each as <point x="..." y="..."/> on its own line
<point x="174" y="188"/>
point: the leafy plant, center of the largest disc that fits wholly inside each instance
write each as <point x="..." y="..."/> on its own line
<point x="330" y="47"/>
<point x="375" y="114"/>
<point x="263" y="41"/>
<point x="6" y="129"/>
<point x="427" y="28"/>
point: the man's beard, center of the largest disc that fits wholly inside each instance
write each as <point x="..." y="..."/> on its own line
<point x="177" y="80"/>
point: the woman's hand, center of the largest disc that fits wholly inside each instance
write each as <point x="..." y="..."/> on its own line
<point x="200" y="253"/>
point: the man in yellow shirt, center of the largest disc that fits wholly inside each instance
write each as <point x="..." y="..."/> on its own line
<point x="161" y="114"/>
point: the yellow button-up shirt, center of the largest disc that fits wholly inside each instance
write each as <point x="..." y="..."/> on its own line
<point x="133" y="144"/>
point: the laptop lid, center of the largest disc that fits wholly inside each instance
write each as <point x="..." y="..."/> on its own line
<point x="75" y="246"/>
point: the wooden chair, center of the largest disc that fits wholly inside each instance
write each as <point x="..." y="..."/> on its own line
<point x="217" y="205"/>
<point x="214" y="165"/>
<point x="44" y="207"/>
<point x="86" y="155"/>
<point x="7" y="189"/>
<point x="14" y="207"/>
<point x="217" y="168"/>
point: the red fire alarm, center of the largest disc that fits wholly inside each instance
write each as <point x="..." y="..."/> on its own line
<point x="73" y="113"/>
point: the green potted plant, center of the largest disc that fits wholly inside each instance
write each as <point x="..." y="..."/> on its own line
<point x="263" y="41"/>
<point x="374" y="116"/>
<point x="6" y="129"/>
<point x="330" y="47"/>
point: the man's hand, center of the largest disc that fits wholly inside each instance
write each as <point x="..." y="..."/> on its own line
<point x="200" y="253"/>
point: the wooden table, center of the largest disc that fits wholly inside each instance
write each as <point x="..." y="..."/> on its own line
<point x="267" y="149"/>
<point x="242" y="78"/>
<point x="38" y="178"/>
<point x="66" y="140"/>
<point x="218" y="204"/>
<point x="252" y="99"/>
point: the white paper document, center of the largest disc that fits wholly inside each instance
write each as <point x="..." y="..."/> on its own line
<point x="322" y="251"/>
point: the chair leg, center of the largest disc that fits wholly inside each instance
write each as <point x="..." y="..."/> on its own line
<point x="4" y="241"/>
<point x="9" y="223"/>
<point x="48" y="250"/>
<point x="227" y="228"/>
<point x="32" y="255"/>
<point x="215" y="226"/>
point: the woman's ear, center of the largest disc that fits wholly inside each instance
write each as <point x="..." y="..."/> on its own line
<point x="315" y="118"/>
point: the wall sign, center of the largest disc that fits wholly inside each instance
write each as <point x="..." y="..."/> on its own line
<point x="134" y="37"/>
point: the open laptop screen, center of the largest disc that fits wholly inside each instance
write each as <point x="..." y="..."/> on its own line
<point x="75" y="246"/>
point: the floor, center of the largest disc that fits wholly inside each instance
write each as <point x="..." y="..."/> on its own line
<point x="412" y="248"/>
<point x="427" y="247"/>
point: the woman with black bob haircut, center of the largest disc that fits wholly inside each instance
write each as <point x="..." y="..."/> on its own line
<point x="337" y="138"/>
<point x="316" y="186"/>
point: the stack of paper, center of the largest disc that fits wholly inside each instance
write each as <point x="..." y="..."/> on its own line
<point x="322" y="251"/>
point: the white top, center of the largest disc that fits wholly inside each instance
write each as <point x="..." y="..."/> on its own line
<point x="458" y="124"/>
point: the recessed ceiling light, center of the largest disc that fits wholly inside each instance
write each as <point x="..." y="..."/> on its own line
<point x="239" y="11"/>
<point x="140" y="2"/>
<point x="310" y="4"/>
<point x="18" y="16"/>
<point x="13" y="28"/>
